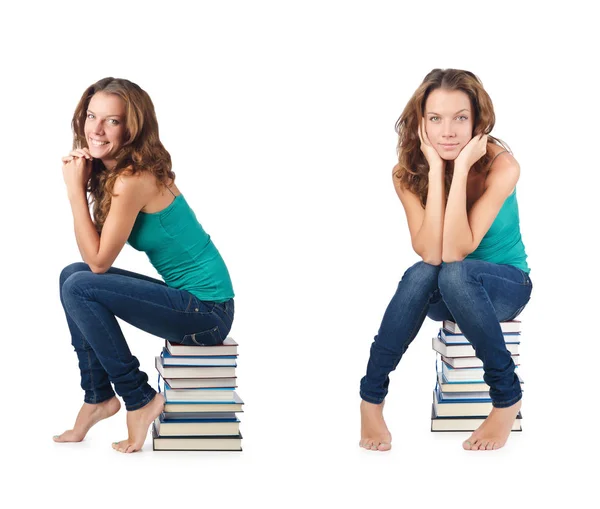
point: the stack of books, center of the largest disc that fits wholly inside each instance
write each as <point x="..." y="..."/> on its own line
<point x="461" y="399"/>
<point x="198" y="383"/>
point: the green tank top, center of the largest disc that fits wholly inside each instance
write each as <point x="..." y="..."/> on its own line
<point x="502" y="243"/>
<point x="182" y="252"/>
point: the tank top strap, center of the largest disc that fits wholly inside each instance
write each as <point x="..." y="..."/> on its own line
<point x="494" y="158"/>
<point x="171" y="191"/>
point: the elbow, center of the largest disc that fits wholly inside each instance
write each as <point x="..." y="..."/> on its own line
<point x="453" y="255"/>
<point x="432" y="257"/>
<point x="98" y="269"/>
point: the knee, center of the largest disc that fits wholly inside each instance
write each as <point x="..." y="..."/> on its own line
<point x="75" y="283"/>
<point x="453" y="276"/>
<point x="422" y="273"/>
<point x="69" y="270"/>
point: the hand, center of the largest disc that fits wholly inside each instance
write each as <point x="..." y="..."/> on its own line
<point x="77" y="167"/>
<point x="471" y="153"/>
<point x="430" y="153"/>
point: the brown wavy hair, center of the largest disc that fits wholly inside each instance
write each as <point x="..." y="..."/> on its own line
<point x="412" y="169"/>
<point x="141" y="150"/>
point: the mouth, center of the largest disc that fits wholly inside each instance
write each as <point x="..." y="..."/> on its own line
<point x="97" y="143"/>
<point x="448" y="146"/>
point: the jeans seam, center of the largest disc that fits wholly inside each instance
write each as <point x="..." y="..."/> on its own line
<point x="145" y="301"/>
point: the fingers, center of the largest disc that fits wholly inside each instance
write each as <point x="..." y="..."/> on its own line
<point x="66" y="159"/>
<point x="423" y="133"/>
<point x="81" y="152"/>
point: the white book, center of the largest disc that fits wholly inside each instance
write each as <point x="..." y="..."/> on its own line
<point x="451" y="338"/>
<point x="471" y="362"/>
<point x="510" y="326"/>
<point x="464" y="350"/>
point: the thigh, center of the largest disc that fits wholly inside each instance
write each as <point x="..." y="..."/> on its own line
<point x="507" y="287"/>
<point x="438" y="311"/>
<point x="145" y="303"/>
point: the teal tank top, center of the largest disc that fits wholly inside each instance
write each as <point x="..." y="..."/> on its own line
<point x="502" y="243"/>
<point x="182" y="252"/>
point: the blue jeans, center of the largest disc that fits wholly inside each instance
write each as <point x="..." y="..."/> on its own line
<point x="475" y="294"/>
<point x="93" y="301"/>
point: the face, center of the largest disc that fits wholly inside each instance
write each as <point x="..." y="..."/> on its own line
<point x="448" y="121"/>
<point x="105" y="126"/>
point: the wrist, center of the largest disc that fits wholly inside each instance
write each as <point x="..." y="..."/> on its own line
<point x="461" y="168"/>
<point x="76" y="194"/>
<point x="437" y="167"/>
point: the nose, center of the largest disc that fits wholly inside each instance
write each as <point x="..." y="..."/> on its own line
<point x="96" y="127"/>
<point x="448" y="130"/>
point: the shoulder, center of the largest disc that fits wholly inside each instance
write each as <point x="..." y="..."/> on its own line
<point x="142" y="182"/>
<point x="504" y="169"/>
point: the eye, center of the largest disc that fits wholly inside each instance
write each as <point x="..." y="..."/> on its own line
<point x="463" y="117"/>
<point x="434" y="118"/>
<point x="90" y="116"/>
<point x="112" y="121"/>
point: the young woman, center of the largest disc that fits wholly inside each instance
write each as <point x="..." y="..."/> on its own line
<point x="457" y="185"/>
<point x="118" y="158"/>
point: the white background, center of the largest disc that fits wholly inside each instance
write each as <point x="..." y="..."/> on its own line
<point x="279" y="117"/>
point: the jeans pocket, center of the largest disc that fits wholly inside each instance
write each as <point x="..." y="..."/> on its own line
<point x="210" y="337"/>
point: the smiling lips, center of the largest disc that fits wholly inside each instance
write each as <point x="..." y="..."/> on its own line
<point x="98" y="143"/>
<point x="449" y="145"/>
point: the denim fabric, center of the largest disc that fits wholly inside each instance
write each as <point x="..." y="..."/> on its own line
<point x="477" y="295"/>
<point x="93" y="301"/>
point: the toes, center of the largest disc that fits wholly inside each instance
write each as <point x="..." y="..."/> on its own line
<point x="483" y="445"/>
<point x="489" y="446"/>
<point x="467" y="445"/>
<point x="384" y="446"/>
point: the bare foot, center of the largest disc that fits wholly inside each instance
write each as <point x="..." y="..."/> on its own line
<point x="494" y="431"/>
<point x="87" y="417"/>
<point x="138" y="422"/>
<point x="374" y="434"/>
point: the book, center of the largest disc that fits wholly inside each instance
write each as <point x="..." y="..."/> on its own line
<point x="465" y="423"/>
<point x="455" y="407"/>
<point x="510" y="326"/>
<point x="461" y="339"/>
<point x="205" y="360"/>
<point x="188" y="424"/>
<point x="204" y="406"/>
<point x="471" y="375"/>
<point x="201" y="383"/>
<point x="218" y="394"/>
<point x="470" y="362"/>
<point x="229" y="347"/>
<point x="196" y="443"/>
<point x="464" y="350"/>
<point x="463" y="386"/>
<point x="193" y="371"/>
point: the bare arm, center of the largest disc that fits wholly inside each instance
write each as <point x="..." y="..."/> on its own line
<point x="425" y="224"/>
<point x="463" y="232"/>
<point x="99" y="252"/>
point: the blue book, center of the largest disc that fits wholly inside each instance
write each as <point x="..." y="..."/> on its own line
<point x="460" y="406"/>
<point x="196" y="407"/>
<point x="194" y="360"/>
<point x="195" y="424"/>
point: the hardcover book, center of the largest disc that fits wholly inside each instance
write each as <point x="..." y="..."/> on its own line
<point x="196" y="443"/>
<point x="229" y="347"/>
<point x="193" y="371"/>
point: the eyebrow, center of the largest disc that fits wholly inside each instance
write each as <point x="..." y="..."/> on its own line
<point x="434" y="113"/>
<point x="118" y="116"/>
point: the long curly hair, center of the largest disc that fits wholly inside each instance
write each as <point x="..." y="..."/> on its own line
<point x="141" y="150"/>
<point x="412" y="169"/>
